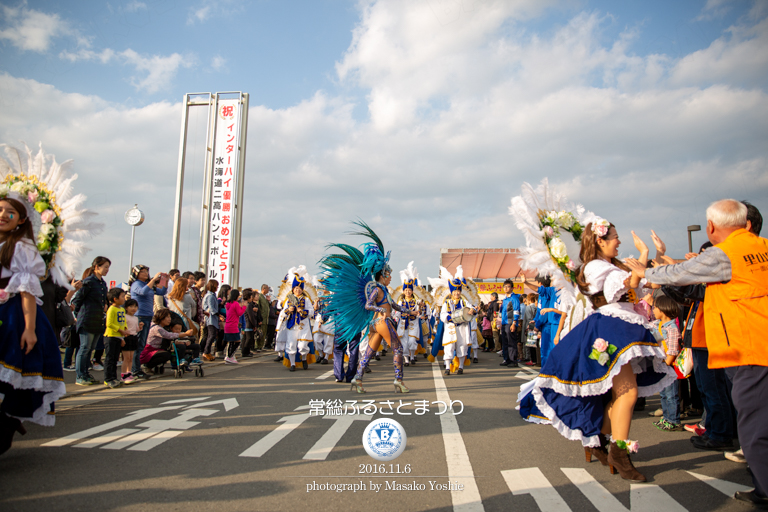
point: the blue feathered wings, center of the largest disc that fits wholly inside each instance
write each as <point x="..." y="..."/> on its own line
<point x="346" y="278"/>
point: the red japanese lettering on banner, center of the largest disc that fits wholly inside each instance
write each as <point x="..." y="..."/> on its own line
<point x="223" y="189"/>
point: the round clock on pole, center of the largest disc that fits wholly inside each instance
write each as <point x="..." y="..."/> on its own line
<point x="134" y="217"/>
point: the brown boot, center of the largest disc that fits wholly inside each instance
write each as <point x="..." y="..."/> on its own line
<point x="618" y="459"/>
<point x="600" y="452"/>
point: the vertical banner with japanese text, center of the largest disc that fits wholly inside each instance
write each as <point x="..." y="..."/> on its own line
<point x="226" y="152"/>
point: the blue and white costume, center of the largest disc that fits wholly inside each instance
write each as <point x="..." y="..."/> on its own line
<point x="458" y="331"/>
<point x="30" y="383"/>
<point x="324" y="331"/>
<point x="570" y="392"/>
<point x="294" y="329"/>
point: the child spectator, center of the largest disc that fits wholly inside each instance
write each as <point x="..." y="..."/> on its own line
<point x="666" y="311"/>
<point x="133" y="326"/>
<point x="155" y="352"/>
<point x="113" y="336"/>
<point x="235" y="308"/>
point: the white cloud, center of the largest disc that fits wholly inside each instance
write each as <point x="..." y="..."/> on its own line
<point x="156" y="72"/>
<point x="463" y="109"/>
<point x="218" y="63"/>
<point x="160" y="70"/>
<point x="199" y="14"/>
<point x="31" y="30"/>
<point x="134" y="6"/>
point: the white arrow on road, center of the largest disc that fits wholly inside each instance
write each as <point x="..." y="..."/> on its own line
<point x="229" y="404"/>
<point x="132" y="416"/>
<point x="264" y="444"/>
<point x="333" y="435"/>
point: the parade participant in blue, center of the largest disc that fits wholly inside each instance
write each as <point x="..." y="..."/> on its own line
<point x="359" y="297"/>
<point x="37" y="211"/>
<point x="547" y="322"/>
<point x="458" y="298"/>
<point x="294" y="331"/>
<point x="510" y="318"/>
<point x="436" y="350"/>
<point x="588" y="387"/>
<point x="409" y="322"/>
<point x="323" y="331"/>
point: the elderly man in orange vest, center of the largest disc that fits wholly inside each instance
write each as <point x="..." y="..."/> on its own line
<point x="736" y="323"/>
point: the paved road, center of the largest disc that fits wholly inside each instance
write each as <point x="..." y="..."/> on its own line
<point x="248" y="438"/>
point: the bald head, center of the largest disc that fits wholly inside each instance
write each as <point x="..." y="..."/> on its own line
<point x="723" y="218"/>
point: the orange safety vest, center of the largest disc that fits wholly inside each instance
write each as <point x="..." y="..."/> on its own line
<point x="736" y="312"/>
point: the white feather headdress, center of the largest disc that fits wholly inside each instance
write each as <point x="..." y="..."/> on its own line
<point x="286" y="286"/>
<point x="531" y="209"/>
<point x="60" y="222"/>
<point x="411" y="275"/>
<point x="441" y="289"/>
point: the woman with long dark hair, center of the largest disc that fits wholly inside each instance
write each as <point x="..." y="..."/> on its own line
<point x="588" y="387"/>
<point x="91" y="307"/>
<point x="31" y="377"/>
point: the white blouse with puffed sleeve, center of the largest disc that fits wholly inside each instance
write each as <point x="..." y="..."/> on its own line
<point x="27" y="267"/>
<point x="604" y="276"/>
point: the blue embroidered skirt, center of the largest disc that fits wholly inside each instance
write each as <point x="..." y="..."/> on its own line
<point x="573" y="388"/>
<point x="30" y="383"/>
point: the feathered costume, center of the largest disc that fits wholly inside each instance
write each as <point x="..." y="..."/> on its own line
<point x="575" y="381"/>
<point x="353" y="290"/>
<point x="408" y="322"/>
<point x="31" y="383"/>
<point x="294" y="330"/>
<point x="455" y="335"/>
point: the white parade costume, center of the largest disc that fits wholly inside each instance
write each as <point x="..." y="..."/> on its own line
<point x="457" y="315"/>
<point x="409" y="321"/>
<point x="294" y="329"/>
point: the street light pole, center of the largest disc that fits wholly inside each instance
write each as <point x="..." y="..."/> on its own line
<point x="694" y="227"/>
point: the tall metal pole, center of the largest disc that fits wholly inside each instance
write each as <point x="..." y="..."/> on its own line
<point x="130" y="260"/>
<point x="205" y="215"/>
<point x="180" y="183"/>
<point x="240" y="188"/>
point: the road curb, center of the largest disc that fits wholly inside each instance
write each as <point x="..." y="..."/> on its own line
<point x="100" y="387"/>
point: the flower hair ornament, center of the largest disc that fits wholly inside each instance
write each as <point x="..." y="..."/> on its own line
<point x="600" y="227"/>
<point x="59" y="221"/>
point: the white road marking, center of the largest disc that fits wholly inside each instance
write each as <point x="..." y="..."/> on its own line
<point x="156" y="440"/>
<point x="333" y="435"/>
<point x="459" y="467"/>
<point x="131" y="417"/>
<point x="532" y="481"/>
<point x="724" y="486"/>
<point x="264" y="444"/>
<point x="642" y="497"/>
<point x="107" y="438"/>
<point x="183" y="400"/>
<point x="325" y="375"/>
<point x="526" y="376"/>
<point x="229" y="404"/>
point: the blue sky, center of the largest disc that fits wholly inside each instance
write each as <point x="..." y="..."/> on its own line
<point x="422" y="117"/>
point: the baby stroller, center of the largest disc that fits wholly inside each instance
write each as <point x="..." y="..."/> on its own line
<point x="179" y="365"/>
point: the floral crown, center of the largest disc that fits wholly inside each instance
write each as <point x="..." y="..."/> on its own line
<point x="41" y="209"/>
<point x="600" y="227"/>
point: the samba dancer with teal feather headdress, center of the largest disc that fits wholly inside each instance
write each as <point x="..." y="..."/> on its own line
<point x="358" y="299"/>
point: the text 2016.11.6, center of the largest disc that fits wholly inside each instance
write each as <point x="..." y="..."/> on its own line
<point x="391" y="469"/>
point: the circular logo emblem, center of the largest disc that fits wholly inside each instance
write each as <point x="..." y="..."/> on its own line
<point x="384" y="439"/>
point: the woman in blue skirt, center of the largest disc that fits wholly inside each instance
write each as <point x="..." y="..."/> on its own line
<point x="588" y="387"/>
<point x="31" y="377"/>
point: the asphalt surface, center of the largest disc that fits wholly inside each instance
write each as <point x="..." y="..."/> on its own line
<point x="242" y="438"/>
